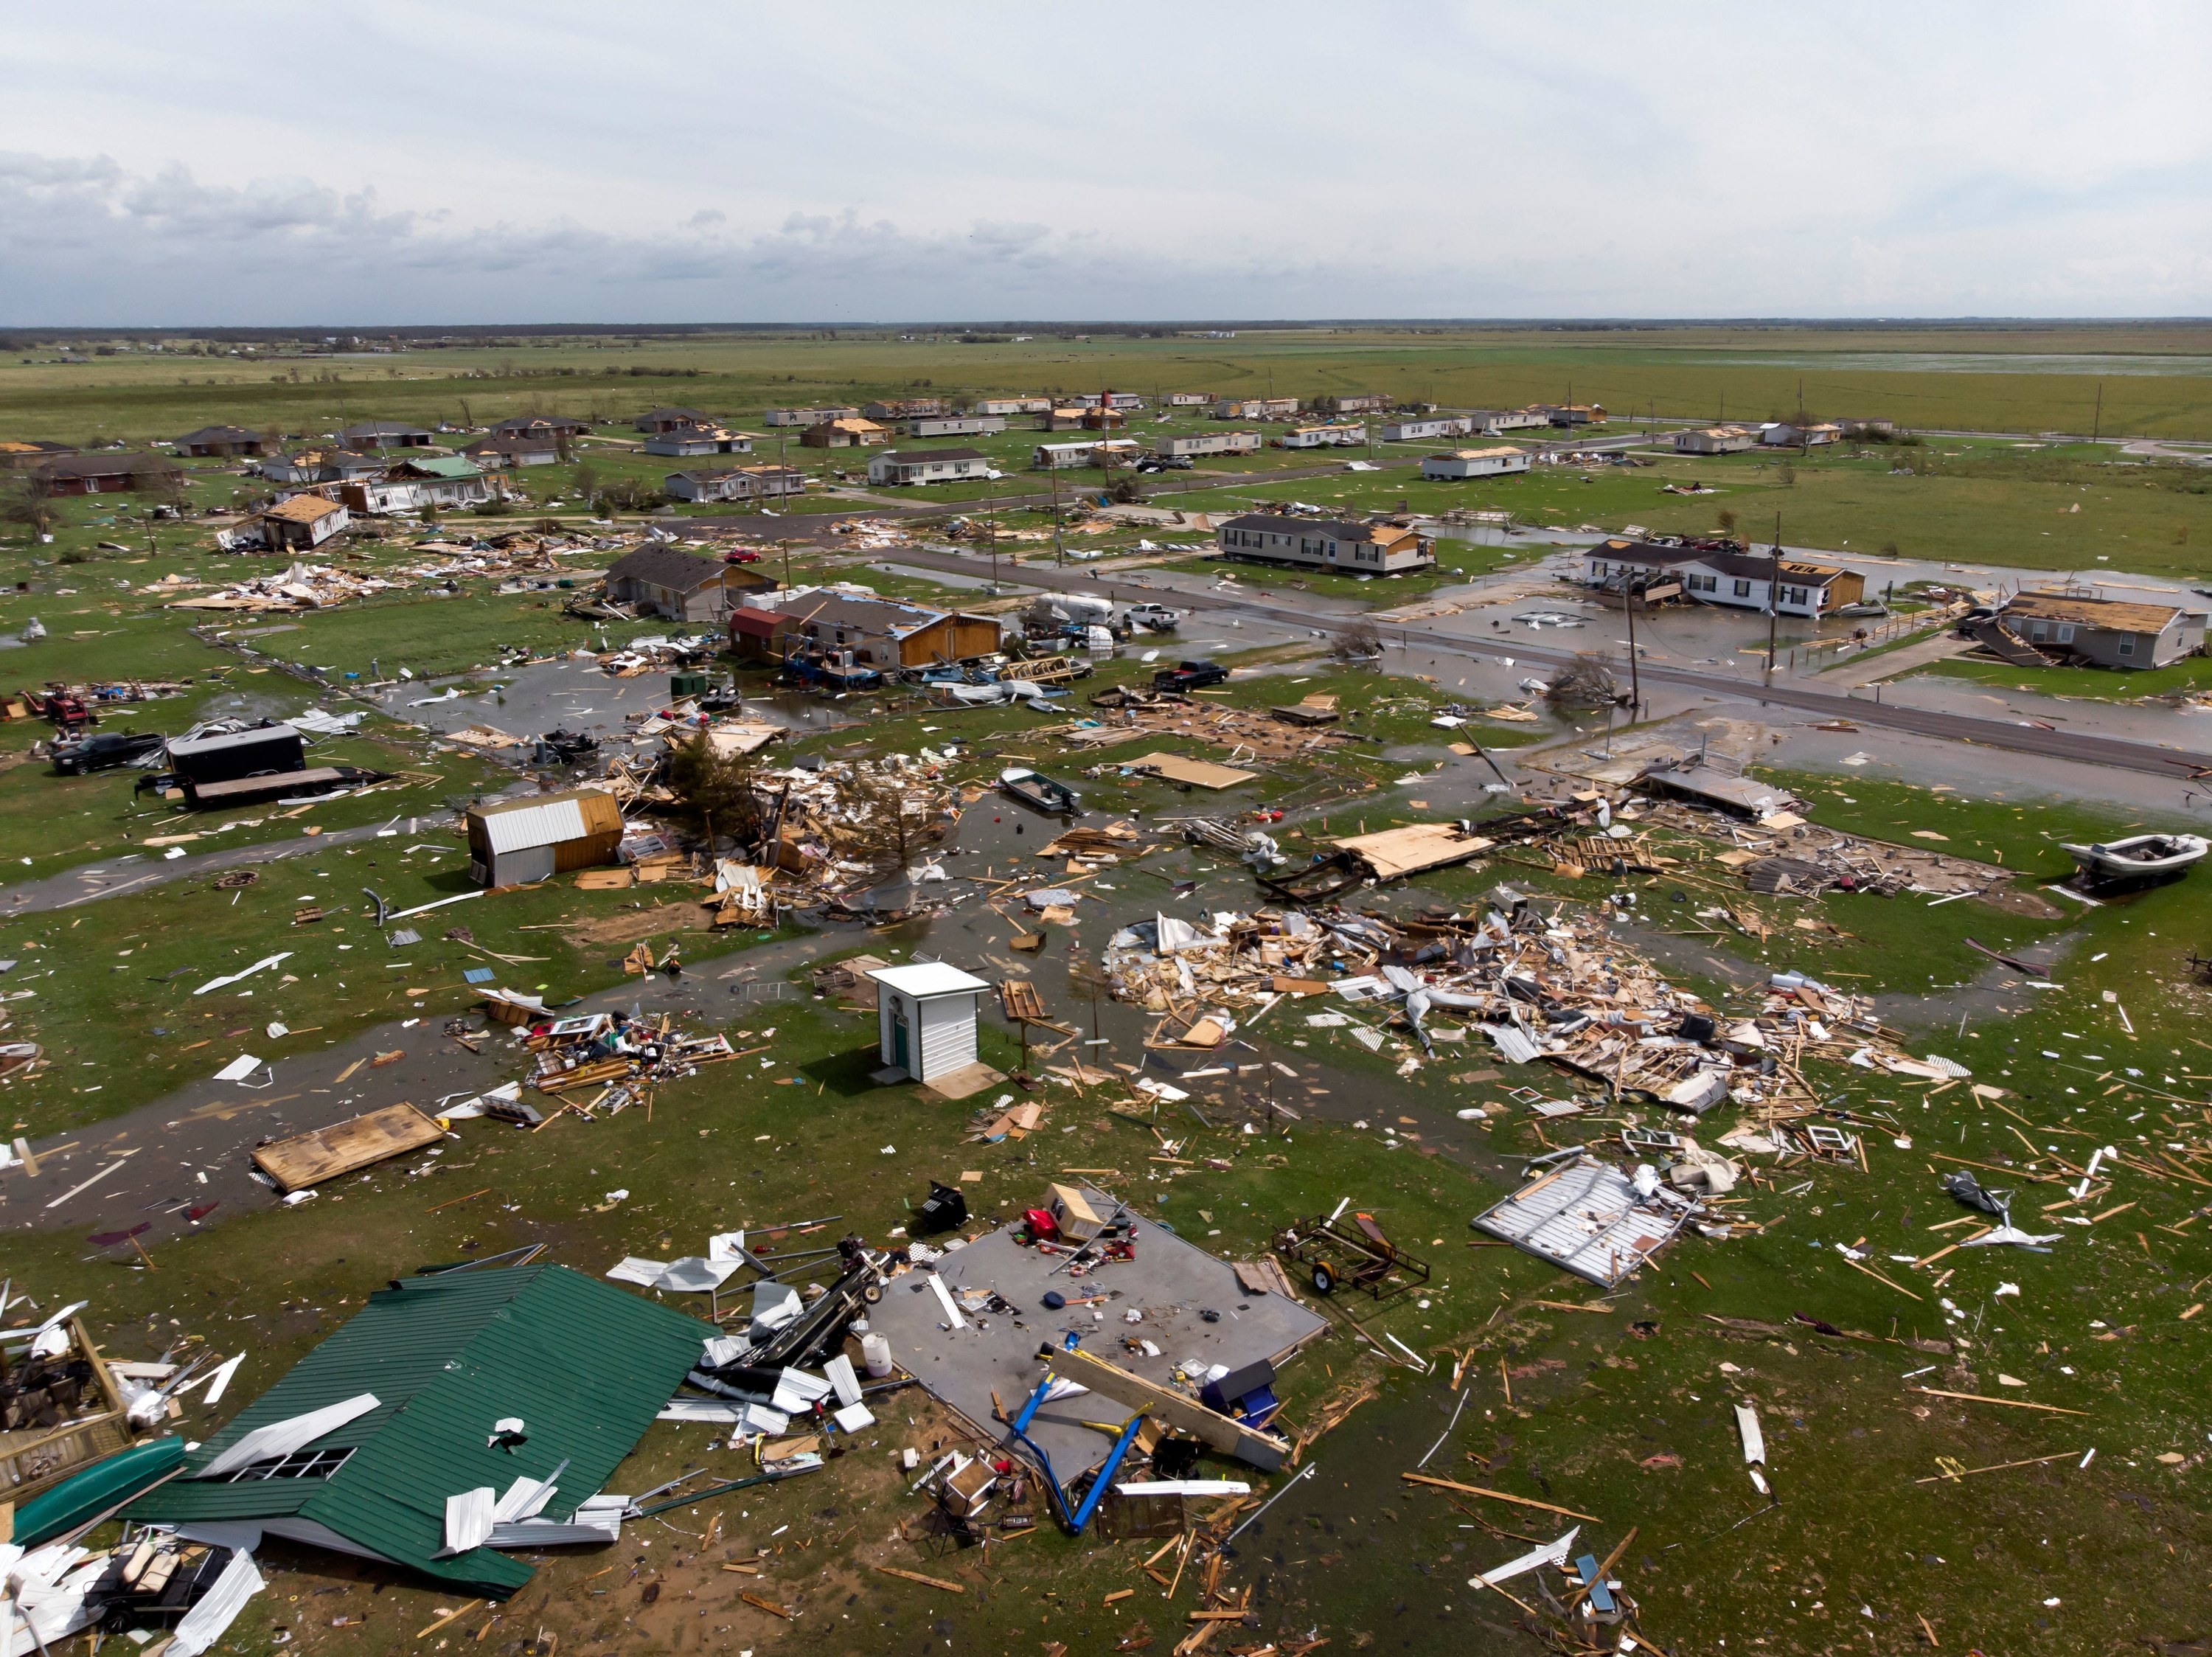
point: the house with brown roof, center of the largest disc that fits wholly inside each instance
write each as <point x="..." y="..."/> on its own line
<point x="842" y="433"/>
<point x="667" y="419"/>
<point x="2104" y="632"/>
<point x="300" y="524"/>
<point x="322" y="465"/>
<point x="665" y="580"/>
<point x="27" y="454"/>
<point x="222" y="442"/>
<point x="105" y="472"/>
<point x="550" y="428"/>
<point x="384" y="434"/>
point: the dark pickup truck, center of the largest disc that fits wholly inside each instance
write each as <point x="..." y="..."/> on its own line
<point x="1189" y="676"/>
<point x="104" y="749"/>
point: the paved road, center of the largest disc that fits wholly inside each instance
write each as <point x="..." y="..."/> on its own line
<point x="2086" y="747"/>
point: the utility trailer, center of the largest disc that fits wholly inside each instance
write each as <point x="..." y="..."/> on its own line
<point x="1334" y="1252"/>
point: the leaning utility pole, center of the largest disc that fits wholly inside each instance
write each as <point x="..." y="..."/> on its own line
<point x="1635" y="685"/>
<point x="2097" y="423"/>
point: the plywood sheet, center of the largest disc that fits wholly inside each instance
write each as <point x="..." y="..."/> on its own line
<point x="1395" y="853"/>
<point x="1200" y="773"/>
<point x="308" y="1159"/>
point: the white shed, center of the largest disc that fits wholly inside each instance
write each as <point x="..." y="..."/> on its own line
<point x="925" y="1018"/>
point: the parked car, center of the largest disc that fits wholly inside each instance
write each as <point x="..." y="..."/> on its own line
<point x="105" y="750"/>
<point x="1189" y="676"/>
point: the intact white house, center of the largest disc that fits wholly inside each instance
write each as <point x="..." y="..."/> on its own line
<point x="1734" y="579"/>
<point x="1475" y="463"/>
<point x="1211" y="443"/>
<point x="1426" y="428"/>
<point x="1352" y="548"/>
<point x="1714" y="440"/>
<point x="955" y="425"/>
<point x="1784" y="434"/>
<point x="928" y="466"/>
<point x="1492" y="423"/>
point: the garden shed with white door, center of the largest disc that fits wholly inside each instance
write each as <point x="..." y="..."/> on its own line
<point x="925" y="1018"/>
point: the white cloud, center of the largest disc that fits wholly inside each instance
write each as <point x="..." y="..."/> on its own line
<point x="695" y="163"/>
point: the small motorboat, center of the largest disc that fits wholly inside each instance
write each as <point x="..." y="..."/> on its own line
<point x="1872" y="608"/>
<point x="1039" y="792"/>
<point x="2140" y="859"/>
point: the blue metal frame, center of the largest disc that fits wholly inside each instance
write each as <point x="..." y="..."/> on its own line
<point x="1076" y="1520"/>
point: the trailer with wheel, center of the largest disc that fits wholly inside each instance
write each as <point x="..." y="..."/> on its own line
<point x="1333" y="1252"/>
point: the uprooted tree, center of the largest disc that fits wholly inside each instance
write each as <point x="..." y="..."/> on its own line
<point x="1358" y="641"/>
<point x="1586" y="682"/>
<point x="714" y="790"/>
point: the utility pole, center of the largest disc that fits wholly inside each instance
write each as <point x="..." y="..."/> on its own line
<point x="2097" y="423"/>
<point x="1635" y="685"/>
<point x="1773" y="601"/>
<point x="1059" y="547"/>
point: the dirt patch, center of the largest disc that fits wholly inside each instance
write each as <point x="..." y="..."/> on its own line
<point x="684" y="915"/>
<point x="2017" y="900"/>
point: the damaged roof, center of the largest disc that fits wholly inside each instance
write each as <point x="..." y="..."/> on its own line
<point x="2115" y="615"/>
<point x="585" y="1366"/>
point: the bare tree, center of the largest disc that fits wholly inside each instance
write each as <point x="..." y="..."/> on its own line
<point x="714" y="789"/>
<point x="1357" y="641"/>
<point x="1088" y="980"/>
<point x="27" y="504"/>
<point x="1586" y="682"/>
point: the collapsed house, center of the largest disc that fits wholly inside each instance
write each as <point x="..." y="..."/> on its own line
<point x="448" y="1413"/>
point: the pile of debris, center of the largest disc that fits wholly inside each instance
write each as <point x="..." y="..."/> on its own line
<point x="300" y="587"/>
<point x="593" y="1064"/>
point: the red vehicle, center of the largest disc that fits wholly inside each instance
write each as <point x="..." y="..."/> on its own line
<point x="67" y="712"/>
<point x="743" y="556"/>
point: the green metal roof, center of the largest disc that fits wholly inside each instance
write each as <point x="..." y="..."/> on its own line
<point x="446" y="465"/>
<point x="586" y="1366"/>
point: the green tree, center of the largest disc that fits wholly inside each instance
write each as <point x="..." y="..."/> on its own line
<point x="714" y="789"/>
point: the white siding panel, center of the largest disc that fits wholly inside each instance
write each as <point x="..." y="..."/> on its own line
<point x="535" y="826"/>
<point x="948" y="1035"/>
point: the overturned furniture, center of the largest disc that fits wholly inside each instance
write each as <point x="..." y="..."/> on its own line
<point x="1589" y="1218"/>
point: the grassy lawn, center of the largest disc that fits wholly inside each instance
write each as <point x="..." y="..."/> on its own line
<point x="2186" y="677"/>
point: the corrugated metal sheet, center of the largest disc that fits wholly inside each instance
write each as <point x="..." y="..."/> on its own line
<point x="587" y="1366"/>
<point x="1586" y="1220"/>
<point x="545" y="824"/>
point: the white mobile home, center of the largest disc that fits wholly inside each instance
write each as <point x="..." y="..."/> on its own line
<point x="1011" y="405"/>
<point x="1475" y="463"/>
<point x="1492" y="423"/>
<point x="1426" y="428"/>
<point x="925" y="1018"/>
<point x="1323" y="438"/>
<point x="1354" y="549"/>
<point x="955" y="425"/>
<point x="1211" y="443"/>
<point x="1055" y="457"/>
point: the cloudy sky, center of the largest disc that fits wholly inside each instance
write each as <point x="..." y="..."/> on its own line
<point x="415" y="163"/>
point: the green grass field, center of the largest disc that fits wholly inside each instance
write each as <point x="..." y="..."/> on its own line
<point x="1932" y="377"/>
